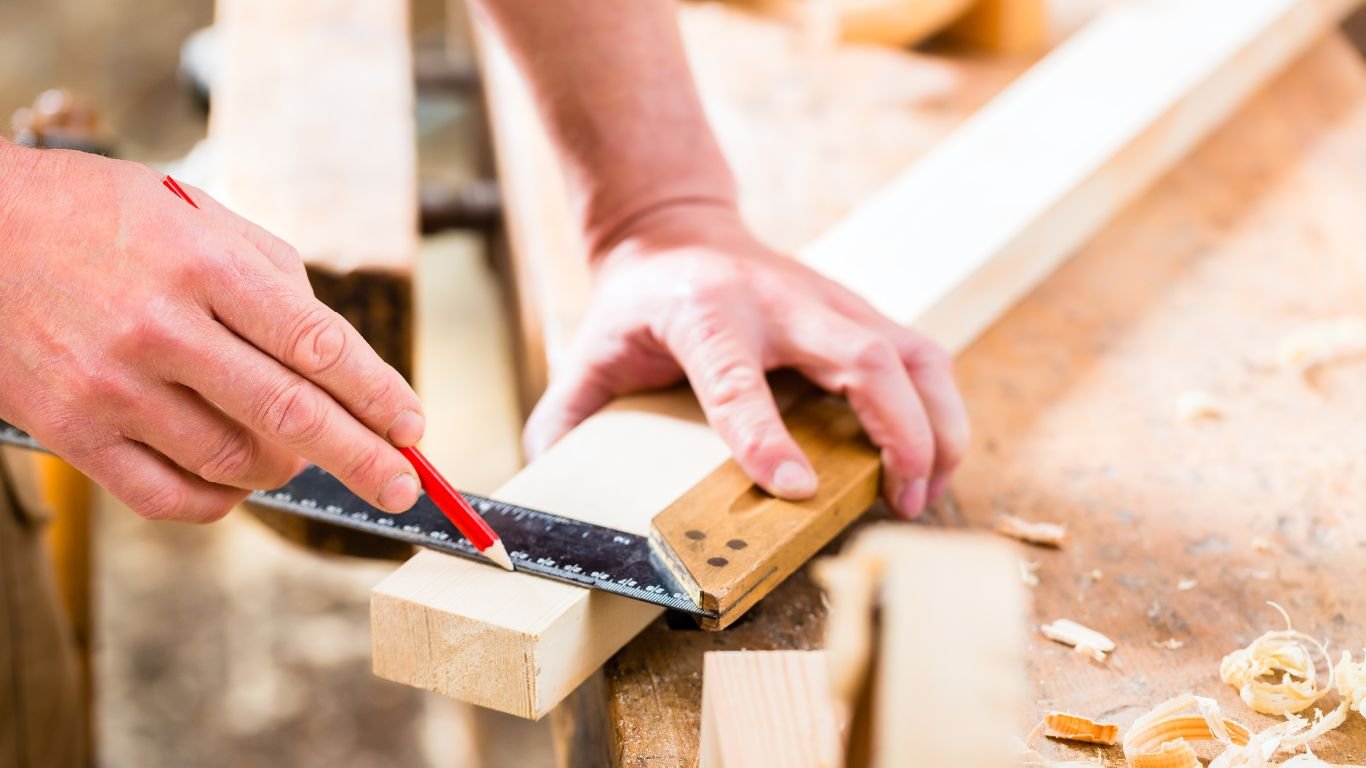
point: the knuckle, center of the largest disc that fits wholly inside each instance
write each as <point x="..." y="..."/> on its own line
<point x="293" y="414"/>
<point x="873" y="356"/>
<point x="105" y="387"/>
<point x="231" y="461"/>
<point x="928" y="354"/>
<point x="364" y="466"/>
<point x="316" y="340"/>
<point x="161" y="501"/>
<point x="732" y="383"/>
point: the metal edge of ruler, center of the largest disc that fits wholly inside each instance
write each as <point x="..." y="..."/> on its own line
<point x="539" y="543"/>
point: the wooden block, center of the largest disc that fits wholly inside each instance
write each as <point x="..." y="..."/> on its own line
<point x="767" y="708"/>
<point x="946" y="248"/>
<point x="947" y="621"/>
<point x="312" y="124"/>
<point x="730" y="543"/>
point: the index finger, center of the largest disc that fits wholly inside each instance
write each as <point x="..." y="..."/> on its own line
<point x="260" y="305"/>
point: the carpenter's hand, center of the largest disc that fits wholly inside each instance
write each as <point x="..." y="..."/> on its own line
<point x="178" y="356"/>
<point x="690" y="292"/>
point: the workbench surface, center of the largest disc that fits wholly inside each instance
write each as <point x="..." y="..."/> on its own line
<point x="1074" y="402"/>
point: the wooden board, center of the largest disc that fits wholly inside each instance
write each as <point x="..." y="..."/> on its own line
<point x="1189" y="289"/>
<point x="767" y="708"/>
<point x="1042" y="167"/>
<point x="312" y="128"/>
<point x="438" y="615"/>
<point x="947" y="683"/>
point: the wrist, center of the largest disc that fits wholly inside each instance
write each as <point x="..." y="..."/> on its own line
<point x="668" y="223"/>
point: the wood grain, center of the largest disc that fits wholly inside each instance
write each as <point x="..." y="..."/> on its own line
<point x="767" y="708"/>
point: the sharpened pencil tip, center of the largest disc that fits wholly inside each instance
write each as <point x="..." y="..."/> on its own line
<point x="499" y="554"/>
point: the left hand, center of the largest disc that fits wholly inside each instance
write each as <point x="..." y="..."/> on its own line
<point x="688" y="291"/>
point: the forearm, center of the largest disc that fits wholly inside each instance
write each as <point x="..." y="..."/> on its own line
<point x="614" y="90"/>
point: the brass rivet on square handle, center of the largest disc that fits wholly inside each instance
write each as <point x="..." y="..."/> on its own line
<point x="730" y="543"/>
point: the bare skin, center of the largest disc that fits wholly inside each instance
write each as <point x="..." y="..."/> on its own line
<point x="178" y="356"/>
<point x="683" y="289"/>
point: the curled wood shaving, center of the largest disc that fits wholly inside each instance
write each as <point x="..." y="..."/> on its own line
<point x="1198" y="406"/>
<point x="1276" y="674"/>
<point x="1085" y="640"/>
<point x="1303" y="731"/>
<point x="1323" y="342"/>
<point x="1033" y="532"/>
<point x="1161" y="738"/>
<point x="1069" y="727"/>
<point x="1351" y="678"/>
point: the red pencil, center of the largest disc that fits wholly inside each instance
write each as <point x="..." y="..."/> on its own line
<point x="457" y="510"/>
<point x="442" y="494"/>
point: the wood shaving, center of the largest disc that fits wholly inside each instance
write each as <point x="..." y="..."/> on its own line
<point x="1196" y="406"/>
<point x="1161" y="738"/>
<point x="1276" y="674"/>
<point x="1029" y="573"/>
<point x="1303" y="731"/>
<point x="1171" y="644"/>
<point x="1043" y="534"/>
<point x="1323" y="342"/>
<point x="1186" y="585"/>
<point x="1069" y="727"/>
<point x="1085" y="640"/>
<point x="1351" y="679"/>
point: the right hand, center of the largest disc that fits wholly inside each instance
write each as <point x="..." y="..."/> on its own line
<point x="177" y="356"/>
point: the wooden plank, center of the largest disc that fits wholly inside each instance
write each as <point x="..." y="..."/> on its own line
<point x="312" y="126"/>
<point x="1042" y="167"/>
<point x="438" y="618"/>
<point x="767" y="708"/>
<point x="1255" y="234"/>
<point x="949" y="697"/>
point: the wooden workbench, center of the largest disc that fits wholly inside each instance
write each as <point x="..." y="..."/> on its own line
<point x="1073" y="397"/>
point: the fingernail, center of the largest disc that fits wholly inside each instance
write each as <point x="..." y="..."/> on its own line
<point x="792" y="480"/>
<point x="400" y="493"/>
<point x="913" y="498"/>
<point x="406" y="429"/>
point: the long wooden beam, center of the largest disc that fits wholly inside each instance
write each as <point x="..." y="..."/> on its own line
<point x="946" y="248"/>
